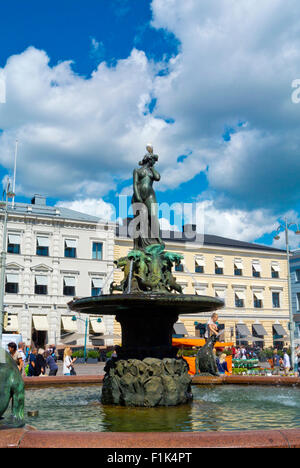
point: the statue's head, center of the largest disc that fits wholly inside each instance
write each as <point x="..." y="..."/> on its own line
<point x="149" y="148"/>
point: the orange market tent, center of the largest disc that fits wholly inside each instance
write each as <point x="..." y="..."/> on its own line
<point x="198" y="342"/>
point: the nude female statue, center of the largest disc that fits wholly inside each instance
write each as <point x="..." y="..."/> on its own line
<point x="144" y="194"/>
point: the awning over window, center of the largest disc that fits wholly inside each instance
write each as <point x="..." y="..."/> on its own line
<point x="200" y="261"/>
<point x="256" y="266"/>
<point x="13" y="325"/>
<point x="40" y="322"/>
<point x="43" y="241"/>
<point x="97" y="327"/>
<point x="279" y="330"/>
<point x="14" y="239"/>
<point x="220" y="294"/>
<point x="12" y="278"/>
<point x="200" y="292"/>
<point x="69" y="325"/>
<point x="259" y="329"/>
<point x="71" y="243"/>
<point x="240" y="295"/>
<point x="69" y="280"/>
<point x="258" y="295"/>
<point x="238" y="264"/>
<point x="97" y="282"/>
<point x="41" y="280"/>
<point x="275" y="267"/>
<point x="243" y="330"/>
<point x="219" y="263"/>
<point x="179" y="329"/>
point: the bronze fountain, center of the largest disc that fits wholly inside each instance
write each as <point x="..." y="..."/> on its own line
<point x="147" y="304"/>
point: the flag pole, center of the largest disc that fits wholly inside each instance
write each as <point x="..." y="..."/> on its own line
<point x="15" y="170"/>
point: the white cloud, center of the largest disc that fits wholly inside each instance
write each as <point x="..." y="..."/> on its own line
<point x="92" y="206"/>
<point x="237" y="61"/>
<point x="236" y="223"/>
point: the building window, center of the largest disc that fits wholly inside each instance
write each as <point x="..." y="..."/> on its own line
<point x="274" y="272"/>
<point x="200" y="329"/>
<point x="41" y="285"/>
<point x="70" y="248"/>
<point x="12" y="284"/>
<point x="298" y="301"/>
<point x="276" y="300"/>
<point x="199" y="265"/>
<point x="238" y="271"/>
<point x="256" y="269"/>
<point x="97" y="284"/>
<point x="257" y="299"/>
<point x="13" y="244"/>
<point x="199" y="268"/>
<point x="297" y="275"/>
<point x="179" y="268"/>
<point x="97" y="250"/>
<point x="69" y="286"/>
<point x="219" y="267"/>
<point x="238" y="268"/>
<point x="220" y="295"/>
<point x="239" y="301"/>
<point x="42" y="246"/>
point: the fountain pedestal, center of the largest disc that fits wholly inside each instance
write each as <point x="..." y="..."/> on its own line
<point x="146" y="372"/>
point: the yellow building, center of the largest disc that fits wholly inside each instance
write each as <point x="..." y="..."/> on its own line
<point x="250" y="278"/>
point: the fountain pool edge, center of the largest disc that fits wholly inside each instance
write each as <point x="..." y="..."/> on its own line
<point x="29" y="438"/>
<point x="31" y="382"/>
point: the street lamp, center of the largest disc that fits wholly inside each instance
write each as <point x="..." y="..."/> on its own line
<point x="286" y="226"/>
<point x="74" y="319"/>
<point x="7" y="193"/>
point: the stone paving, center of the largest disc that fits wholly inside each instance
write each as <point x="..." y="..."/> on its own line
<point x="84" y="369"/>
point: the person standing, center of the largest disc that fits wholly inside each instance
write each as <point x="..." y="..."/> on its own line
<point x="40" y="364"/>
<point x="32" y="362"/>
<point x="51" y="363"/>
<point x="297" y="354"/>
<point x="286" y="362"/>
<point x="276" y="362"/>
<point x="68" y="368"/>
<point x="212" y="326"/>
<point x="17" y="357"/>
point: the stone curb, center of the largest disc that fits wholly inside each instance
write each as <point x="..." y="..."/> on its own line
<point x="197" y="380"/>
<point x="28" y="438"/>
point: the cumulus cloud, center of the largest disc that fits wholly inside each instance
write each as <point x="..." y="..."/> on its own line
<point x="75" y="133"/>
<point x="92" y="206"/>
<point x="237" y="60"/>
<point x="237" y="64"/>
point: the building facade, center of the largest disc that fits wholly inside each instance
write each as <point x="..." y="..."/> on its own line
<point x="251" y="279"/>
<point x="295" y="287"/>
<point x="53" y="255"/>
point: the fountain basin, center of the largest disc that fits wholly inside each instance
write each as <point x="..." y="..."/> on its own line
<point x="147" y="319"/>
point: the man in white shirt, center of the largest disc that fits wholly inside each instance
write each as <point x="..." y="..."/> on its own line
<point x="286" y="362"/>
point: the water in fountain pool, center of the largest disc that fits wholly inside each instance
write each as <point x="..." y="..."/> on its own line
<point x="219" y="408"/>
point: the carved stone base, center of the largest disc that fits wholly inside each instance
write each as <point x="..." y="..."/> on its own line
<point x="151" y="382"/>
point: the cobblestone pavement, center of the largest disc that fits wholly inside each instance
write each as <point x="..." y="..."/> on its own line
<point x="84" y="369"/>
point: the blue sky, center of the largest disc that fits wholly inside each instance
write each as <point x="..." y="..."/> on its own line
<point x="89" y="84"/>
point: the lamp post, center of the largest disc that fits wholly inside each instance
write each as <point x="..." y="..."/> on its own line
<point x="4" y="204"/>
<point x="286" y="226"/>
<point x="98" y="320"/>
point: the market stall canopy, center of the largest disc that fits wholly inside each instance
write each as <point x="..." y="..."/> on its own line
<point x="195" y="341"/>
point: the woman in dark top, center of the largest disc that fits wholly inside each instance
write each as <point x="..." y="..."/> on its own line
<point x="40" y="363"/>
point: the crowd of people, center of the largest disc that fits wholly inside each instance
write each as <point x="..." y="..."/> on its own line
<point x="36" y="362"/>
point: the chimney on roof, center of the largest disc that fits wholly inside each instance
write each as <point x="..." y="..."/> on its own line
<point x="38" y="200"/>
<point x="190" y="231"/>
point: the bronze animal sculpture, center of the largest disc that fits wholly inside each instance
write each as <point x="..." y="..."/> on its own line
<point x="12" y="388"/>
